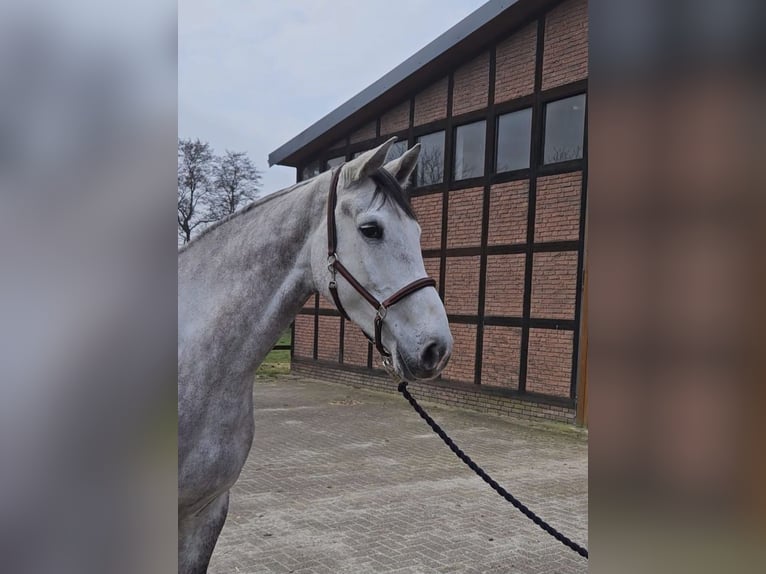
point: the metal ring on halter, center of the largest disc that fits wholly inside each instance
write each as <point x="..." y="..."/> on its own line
<point x="382" y="312"/>
<point x="388" y="365"/>
<point x="331" y="259"/>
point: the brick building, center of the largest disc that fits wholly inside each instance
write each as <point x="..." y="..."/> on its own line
<point x="498" y="104"/>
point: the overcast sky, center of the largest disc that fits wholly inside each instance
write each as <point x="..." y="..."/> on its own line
<point x="255" y="73"/>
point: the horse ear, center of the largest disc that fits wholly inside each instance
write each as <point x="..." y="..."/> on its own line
<point x="366" y="164"/>
<point x="402" y="167"/>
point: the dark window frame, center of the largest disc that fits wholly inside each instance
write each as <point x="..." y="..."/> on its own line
<point x="416" y="173"/>
<point x="497" y="116"/>
<point x="477" y="179"/>
<point x="306" y="165"/>
<point x="564" y="164"/>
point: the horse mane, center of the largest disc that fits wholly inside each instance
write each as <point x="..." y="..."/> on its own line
<point x="245" y="209"/>
<point x="389" y="188"/>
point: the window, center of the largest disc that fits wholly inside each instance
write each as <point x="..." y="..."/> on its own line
<point x="310" y="170"/>
<point x="564" y="129"/>
<point x="431" y="159"/>
<point x="335" y="161"/>
<point x="514" y="132"/>
<point x="469" y="150"/>
<point x="396" y="150"/>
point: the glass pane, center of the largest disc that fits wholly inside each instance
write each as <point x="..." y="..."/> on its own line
<point x="564" y="129"/>
<point x="431" y="159"/>
<point x="335" y="161"/>
<point x="310" y="170"/>
<point x="514" y="132"/>
<point x="396" y="150"/>
<point x="469" y="150"/>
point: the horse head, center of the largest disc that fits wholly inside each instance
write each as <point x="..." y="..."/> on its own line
<point x="376" y="243"/>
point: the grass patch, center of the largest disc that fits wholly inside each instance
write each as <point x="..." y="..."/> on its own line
<point x="277" y="362"/>
<point x="285" y="339"/>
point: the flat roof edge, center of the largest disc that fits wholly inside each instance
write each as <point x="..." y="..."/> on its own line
<point x="453" y="36"/>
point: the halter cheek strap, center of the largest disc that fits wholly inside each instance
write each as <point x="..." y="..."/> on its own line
<point x="335" y="266"/>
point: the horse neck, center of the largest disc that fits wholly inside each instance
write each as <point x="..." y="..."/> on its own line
<point x="261" y="277"/>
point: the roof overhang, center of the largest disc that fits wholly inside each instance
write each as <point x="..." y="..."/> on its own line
<point x="469" y="36"/>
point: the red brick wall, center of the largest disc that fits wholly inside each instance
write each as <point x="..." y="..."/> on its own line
<point x="303" y="342"/>
<point x="354" y="346"/>
<point x="557" y="213"/>
<point x="329" y="338"/>
<point x="461" y="285"/>
<point x="554" y="280"/>
<point x="431" y="103"/>
<point x="504" y="294"/>
<point x="396" y="119"/>
<point x="428" y="208"/>
<point x="464" y="212"/>
<point x="366" y="132"/>
<point x="500" y="357"/>
<point x="549" y="364"/>
<point x="565" y="56"/>
<point x="436" y="392"/>
<point x="515" y="65"/>
<point x="556" y="219"/>
<point x="508" y="213"/>
<point x="338" y="144"/>
<point x="463" y="359"/>
<point x="433" y="266"/>
<point x="471" y="86"/>
<point x="325" y="303"/>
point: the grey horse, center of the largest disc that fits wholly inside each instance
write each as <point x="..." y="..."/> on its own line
<point x="240" y="285"/>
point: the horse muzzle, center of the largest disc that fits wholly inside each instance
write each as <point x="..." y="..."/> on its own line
<point x="428" y="363"/>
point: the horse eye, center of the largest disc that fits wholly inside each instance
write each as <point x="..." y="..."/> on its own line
<point x="372" y="231"/>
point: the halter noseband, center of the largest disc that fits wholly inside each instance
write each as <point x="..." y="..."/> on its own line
<point x="380" y="177"/>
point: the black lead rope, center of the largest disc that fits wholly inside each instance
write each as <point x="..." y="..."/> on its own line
<point x="488" y="479"/>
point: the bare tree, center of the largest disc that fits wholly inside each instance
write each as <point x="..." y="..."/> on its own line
<point x="464" y="169"/>
<point x="195" y="161"/>
<point x="431" y="165"/>
<point x="235" y="181"/>
<point x="562" y="153"/>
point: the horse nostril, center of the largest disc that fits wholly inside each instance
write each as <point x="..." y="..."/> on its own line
<point x="432" y="355"/>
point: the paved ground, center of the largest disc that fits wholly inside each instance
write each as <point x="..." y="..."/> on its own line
<point x="344" y="480"/>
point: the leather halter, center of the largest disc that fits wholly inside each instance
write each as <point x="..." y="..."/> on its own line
<point x="380" y="177"/>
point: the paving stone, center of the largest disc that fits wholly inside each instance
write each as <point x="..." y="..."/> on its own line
<point x="353" y="481"/>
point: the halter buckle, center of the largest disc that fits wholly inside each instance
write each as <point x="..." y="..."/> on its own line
<point x="388" y="365"/>
<point x="331" y="259"/>
<point x="382" y="312"/>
